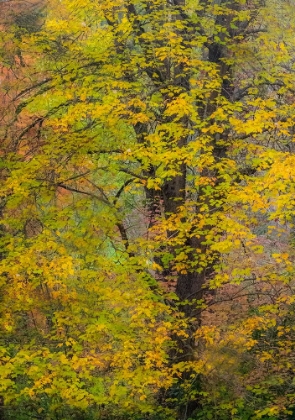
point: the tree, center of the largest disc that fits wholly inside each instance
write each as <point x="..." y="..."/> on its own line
<point x="148" y="142"/>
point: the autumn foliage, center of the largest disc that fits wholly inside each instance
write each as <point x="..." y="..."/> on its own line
<point x="147" y="210"/>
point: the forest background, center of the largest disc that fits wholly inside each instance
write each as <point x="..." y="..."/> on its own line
<point x="147" y="203"/>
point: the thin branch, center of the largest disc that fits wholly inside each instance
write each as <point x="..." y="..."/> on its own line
<point x="124" y="237"/>
<point x="90" y="194"/>
<point x="105" y="200"/>
<point x="100" y="190"/>
<point x="76" y="176"/>
<point x="28" y="89"/>
<point x="120" y="191"/>
<point x="127" y="171"/>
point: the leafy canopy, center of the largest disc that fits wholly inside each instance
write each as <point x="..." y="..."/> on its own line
<point x="148" y="158"/>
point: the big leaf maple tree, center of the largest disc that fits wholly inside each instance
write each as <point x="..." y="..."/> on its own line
<point x="147" y="206"/>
